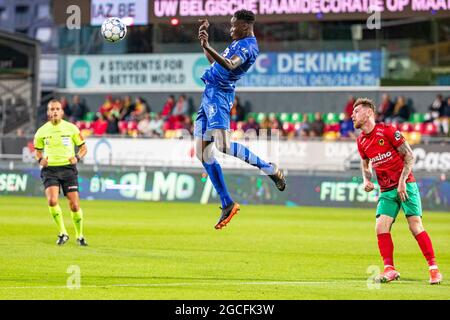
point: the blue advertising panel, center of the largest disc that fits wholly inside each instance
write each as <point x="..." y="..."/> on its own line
<point x="315" y="69"/>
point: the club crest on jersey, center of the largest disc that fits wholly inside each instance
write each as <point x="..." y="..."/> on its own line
<point x="397" y="135"/>
<point x="381" y="142"/>
<point x="212" y="110"/>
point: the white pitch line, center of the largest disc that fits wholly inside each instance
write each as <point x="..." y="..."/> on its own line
<point x="181" y="284"/>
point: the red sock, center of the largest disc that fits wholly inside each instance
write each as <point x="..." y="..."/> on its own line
<point x="427" y="247"/>
<point x="386" y="247"/>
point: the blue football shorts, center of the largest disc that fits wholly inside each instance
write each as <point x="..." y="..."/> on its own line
<point x="214" y="112"/>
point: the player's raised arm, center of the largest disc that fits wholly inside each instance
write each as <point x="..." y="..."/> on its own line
<point x="204" y="26"/>
<point x="211" y="53"/>
<point x="408" y="156"/>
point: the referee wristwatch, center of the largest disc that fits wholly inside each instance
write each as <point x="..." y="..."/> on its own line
<point x="78" y="158"/>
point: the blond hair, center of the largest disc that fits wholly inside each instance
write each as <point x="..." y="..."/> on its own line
<point x="365" y="102"/>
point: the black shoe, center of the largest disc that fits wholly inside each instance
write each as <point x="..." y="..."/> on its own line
<point x="227" y="213"/>
<point x="82" y="242"/>
<point x="62" y="239"/>
<point x="278" y="177"/>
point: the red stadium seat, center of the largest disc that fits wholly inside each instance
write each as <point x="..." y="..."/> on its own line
<point x="80" y="124"/>
<point x="233" y="125"/>
<point x="288" y="127"/>
<point x="395" y="125"/>
<point x="332" y="127"/>
<point x="405" y="127"/>
<point x="132" y="125"/>
<point x="123" y="125"/>
<point x="430" y="129"/>
<point x="418" y="127"/>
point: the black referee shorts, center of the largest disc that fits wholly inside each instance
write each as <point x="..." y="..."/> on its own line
<point x="64" y="176"/>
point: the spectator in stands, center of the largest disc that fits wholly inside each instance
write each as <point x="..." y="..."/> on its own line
<point x="127" y="108"/>
<point x="250" y="125"/>
<point x="446" y="118"/>
<point x="140" y="109"/>
<point x="144" y="125"/>
<point x="349" y="106"/>
<point x="346" y="128"/>
<point x="113" y="124"/>
<point x="100" y="125"/>
<point x="402" y="111"/>
<point x="317" y="126"/>
<point x="65" y="106"/>
<point x="156" y="125"/>
<point x="116" y="109"/>
<point x="151" y="125"/>
<point x="106" y="107"/>
<point x="181" y="107"/>
<point x="303" y="127"/>
<point x="385" y="108"/>
<point x="168" y="106"/>
<point x="237" y="111"/>
<point x="265" y="123"/>
<point x="437" y="108"/>
<point x="78" y="109"/>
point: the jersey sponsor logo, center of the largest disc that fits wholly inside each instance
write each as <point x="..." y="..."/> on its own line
<point x="212" y="110"/>
<point x="381" y="156"/>
<point x="397" y="135"/>
<point x="381" y="142"/>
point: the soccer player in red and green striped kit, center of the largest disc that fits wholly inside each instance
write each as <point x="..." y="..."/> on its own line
<point x="384" y="147"/>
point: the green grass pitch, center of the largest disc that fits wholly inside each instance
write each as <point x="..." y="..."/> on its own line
<point x="146" y="250"/>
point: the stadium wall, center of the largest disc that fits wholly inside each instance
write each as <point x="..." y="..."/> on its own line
<point x="325" y="190"/>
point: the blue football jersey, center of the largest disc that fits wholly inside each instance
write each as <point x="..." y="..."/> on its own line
<point x="216" y="75"/>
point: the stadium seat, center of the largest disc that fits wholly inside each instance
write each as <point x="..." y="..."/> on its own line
<point x="417" y="118"/>
<point x="418" y="127"/>
<point x="288" y="127"/>
<point x="310" y="116"/>
<point x="331" y="135"/>
<point x="123" y="126"/>
<point x="272" y="116"/>
<point x="430" y="129"/>
<point x="331" y="118"/>
<point x="80" y="124"/>
<point x="405" y="127"/>
<point x="90" y="116"/>
<point x="193" y="117"/>
<point x="260" y="117"/>
<point x="335" y="127"/>
<point x="413" y="137"/>
<point x="296" y="117"/>
<point x="284" y="117"/>
<point x="253" y="115"/>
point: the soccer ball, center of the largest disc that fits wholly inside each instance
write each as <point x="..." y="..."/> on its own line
<point x="113" y="29"/>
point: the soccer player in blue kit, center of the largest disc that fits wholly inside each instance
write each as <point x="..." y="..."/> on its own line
<point x="212" y="126"/>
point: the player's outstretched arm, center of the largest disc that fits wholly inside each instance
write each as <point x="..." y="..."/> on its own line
<point x="367" y="175"/>
<point x="229" y="64"/>
<point x="408" y="156"/>
<point x="204" y="26"/>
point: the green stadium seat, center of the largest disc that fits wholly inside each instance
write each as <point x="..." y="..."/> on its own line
<point x="331" y="118"/>
<point x="193" y="117"/>
<point x="272" y="115"/>
<point x="296" y="117"/>
<point x="90" y="116"/>
<point x="260" y="117"/>
<point x="417" y="118"/>
<point x="284" y="117"/>
<point x="310" y="116"/>
<point x="253" y="115"/>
